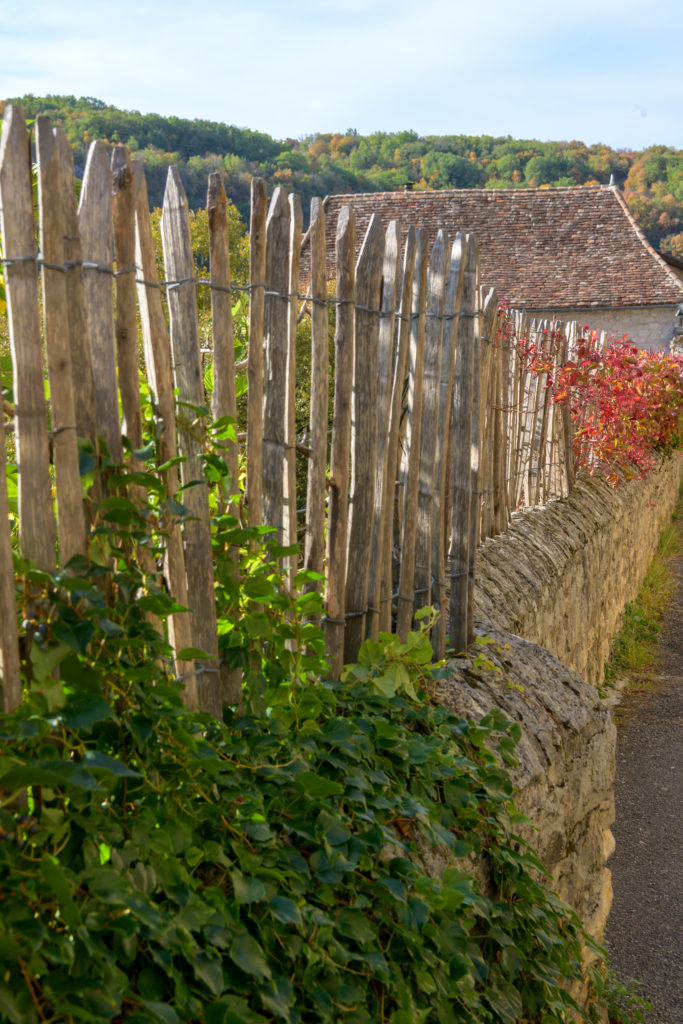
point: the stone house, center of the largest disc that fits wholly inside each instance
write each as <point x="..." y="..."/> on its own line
<point x="576" y="253"/>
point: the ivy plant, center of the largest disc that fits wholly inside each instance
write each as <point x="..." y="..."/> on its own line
<point x="159" y="865"/>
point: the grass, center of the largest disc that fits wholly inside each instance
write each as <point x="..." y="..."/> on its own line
<point x="633" y="650"/>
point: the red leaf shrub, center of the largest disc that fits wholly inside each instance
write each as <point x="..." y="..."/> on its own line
<point x="626" y="404"/>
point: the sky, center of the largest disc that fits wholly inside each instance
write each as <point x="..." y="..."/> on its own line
<point x="600" y="71"/>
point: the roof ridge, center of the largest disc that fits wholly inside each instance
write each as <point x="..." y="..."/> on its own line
<point x="526" y="190"/>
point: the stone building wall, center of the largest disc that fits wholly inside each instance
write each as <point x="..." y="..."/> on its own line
<point x="649" y="327"/>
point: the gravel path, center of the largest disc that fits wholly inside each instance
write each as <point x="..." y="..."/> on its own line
<point x="645" y="927"/>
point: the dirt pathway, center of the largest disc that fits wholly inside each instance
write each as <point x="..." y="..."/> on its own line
<point x="645" y="928"/>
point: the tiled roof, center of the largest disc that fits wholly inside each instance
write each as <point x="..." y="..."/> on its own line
<point x="556" y="248"/>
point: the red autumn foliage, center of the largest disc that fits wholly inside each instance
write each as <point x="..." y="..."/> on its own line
<point x="626" y="404"/>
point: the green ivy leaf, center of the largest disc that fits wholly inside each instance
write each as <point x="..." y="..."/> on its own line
<point x="285" y="910"/>
<point x="98" y="761"/>
<point x="247" y="890"/>
<point x="163" y="1011"/>
<point x="45" y="658"/>
<point x="53" y="874"/>
<point x="152" y="983"/>
<point x="210" y="972"/>
<point x="248" y="955"/>
<point x="317" y="785"/>
<point x="83" y="710"/>
<point x="192" y="653"/>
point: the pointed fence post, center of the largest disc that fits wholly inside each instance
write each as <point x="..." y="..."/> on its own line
<point x="75" y="295"/>
<point x="95" y="222"/>
<point x="70" y="517"/>
<point x="204" y="687"/>
<point x="276" y="329"/>
<point x="364" y="431"/>
<point x="501" y="437"/>
<point x="394" y="493"/>
<point x="36" y="520"/>
<point x="257" y="286"/>
<point x="157" y="352"/>
<point x="486" y="412"/>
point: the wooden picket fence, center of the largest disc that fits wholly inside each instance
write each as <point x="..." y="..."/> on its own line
<point x="439" y="429"/>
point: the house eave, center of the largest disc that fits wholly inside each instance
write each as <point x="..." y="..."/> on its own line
<point x="596" y="307"/>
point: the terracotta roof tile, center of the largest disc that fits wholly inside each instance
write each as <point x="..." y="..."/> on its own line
<point x="557" y="248"/>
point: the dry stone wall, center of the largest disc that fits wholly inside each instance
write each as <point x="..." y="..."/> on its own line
<point x="550" y="594"/>
<point x="566" y="762"/>
<point x="562" y="574"/>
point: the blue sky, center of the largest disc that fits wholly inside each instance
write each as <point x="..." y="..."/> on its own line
<point x="596" y="70"/>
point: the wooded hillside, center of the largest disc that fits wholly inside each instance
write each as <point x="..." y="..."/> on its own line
<point x="329" y="163"/>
